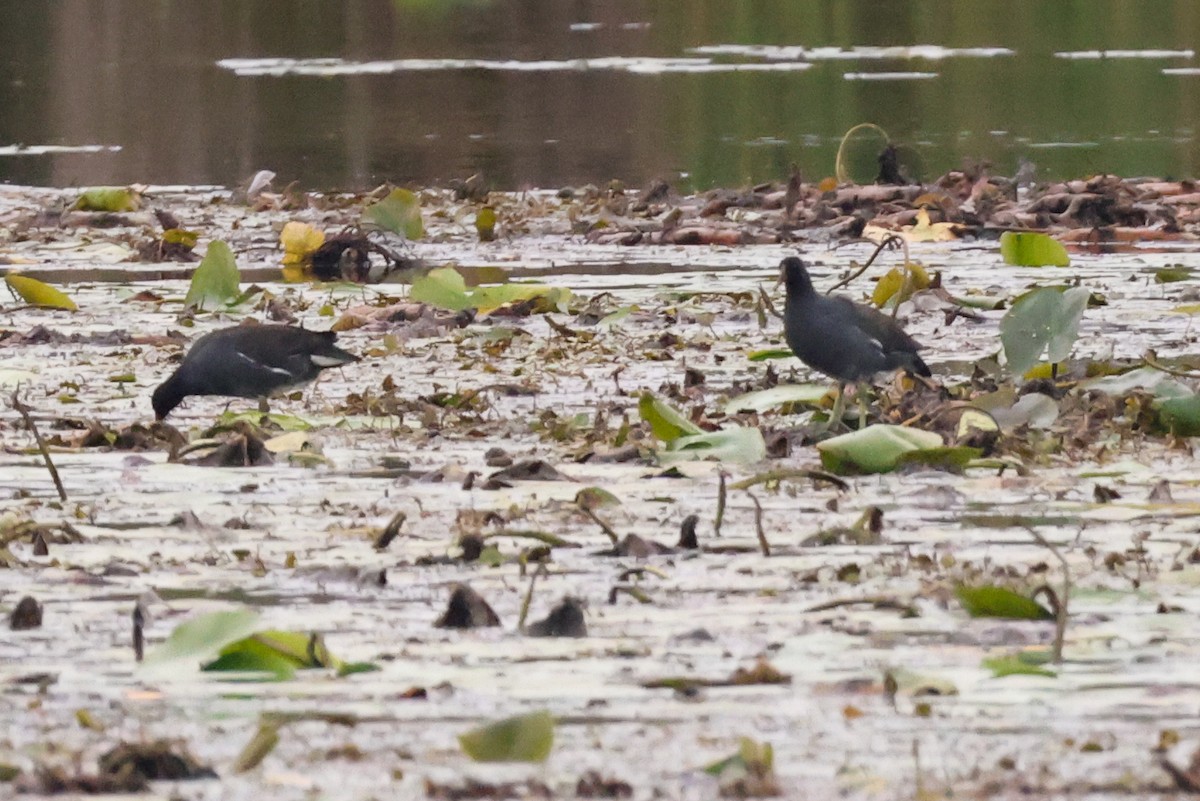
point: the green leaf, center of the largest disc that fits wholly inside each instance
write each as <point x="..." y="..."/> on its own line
<point x="741" y="444"/>
<point x="524" y="738"/>
<point x="1181" y="416"/>
<point x="443" y="288"/>
<point x="400" y="213"/>
<point x="666" y="423"/>
<point x="613" y="318"/>
<point x="1022" y="663"/>
<point x="489" y="298"/>
<point x="988" y="600"/>
<point x="596" y="498"/>
<point x="278" y="653"/>
<point x="1042" y="321"/>
<point x="1027" y="249"/>
<point x="1169" y="275"/>
<point x="37" y="293"/>
<point x="108" y="198"/>
<point x="216" y="281"/>
<point x="769" y="353"/>
<point x="203" y="637"/>
<point x="178" y="236"/>
<point x="285" y="422"/>
<point x="779" y="395"/>
<point x="875" y="449"/>
<point x="952" y="458"/>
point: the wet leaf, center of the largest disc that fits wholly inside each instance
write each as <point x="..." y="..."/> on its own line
<point x="1035" y="410"/>
<point x="564" y="620"/>
<point x="613" y="318"/>
<point x="216" y="281"/>
<point x="1181" y="416"/>
<point x="486" y="299"/>
<point x="741" y="444"/>
<point x="467" y="609"/>
<point x="178" y="236"/>
<point x="891" y="284"/>
<point x="953" y="458"/>
<point x="1023" y="663"/>
<point x="750" y="773"/>
<point x="299" y="241"/>
<point x="443" y="288"/>
<point x="108" y="198"/>
<point x="780" y="395"/>
<point x="1027" y="249"/>
<point x="666" y="423"/>
<point x="596" y="498"/>
<point x="485" y="224"/>
<point x="399" y="212"/>
<point x="989" y="600"/>
<point x="284" y="422"/>
<point x="203" y="637"/>
<point x="524" y="738"/>
<point x="769" y="353"/>
<point x="925" y="231"/>
<point x="875" y="449"/>
<point x="1042" y="321"/>
<point x="1168" y="275"/>
<point x="37" y="293"/>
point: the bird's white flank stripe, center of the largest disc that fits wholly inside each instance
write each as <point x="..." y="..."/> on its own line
<point x="326" y="361"/>
<point x="262" y="366"/>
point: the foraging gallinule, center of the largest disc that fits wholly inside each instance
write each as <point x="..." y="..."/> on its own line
<point x="840" y="338"/>
<point x="250" y="361"/>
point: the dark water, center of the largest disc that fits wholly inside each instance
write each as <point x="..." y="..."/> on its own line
<point x="144" y="76"/>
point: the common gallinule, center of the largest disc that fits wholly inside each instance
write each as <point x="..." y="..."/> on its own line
<point x="250" y="361"/>
<point x="840" y="338"/>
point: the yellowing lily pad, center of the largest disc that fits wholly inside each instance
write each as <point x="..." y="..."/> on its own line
<point x="875" y="449"/>
<point x="524" y="738"/>
<point x="37" y="293"/>
<point x="1028" y="249"/>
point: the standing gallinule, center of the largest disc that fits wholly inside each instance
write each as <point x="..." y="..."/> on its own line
<point x="250" y="361"/>
<point x="840" y="338"/>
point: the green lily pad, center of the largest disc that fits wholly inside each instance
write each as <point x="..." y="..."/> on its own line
<point x="769" y="353"/>
<point x="741" y="444"/>
<point x="875" y="449"/>
<point x="38" y="293"/>
<point x="1181" y="416"/>
<point x="1042" y="321"/>
<point x="1022" y="663"/>
<point x="203" y="637"/>
<point x="399" y="212"/>
<point x="216" y="281"/>
<point x="666" y="423"/>
<point x="764" y="399"/>
<point x="1028" y="249"/>
<point x="988" y="600"/>
<point x="524" y="738"/>
<point x="108" y="198"/>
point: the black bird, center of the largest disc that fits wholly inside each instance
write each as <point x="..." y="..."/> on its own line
<point x="250" y="361"/>
<point x="840" y="338"/>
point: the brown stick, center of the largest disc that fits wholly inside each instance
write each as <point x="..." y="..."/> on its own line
<point x="23" y="410"/>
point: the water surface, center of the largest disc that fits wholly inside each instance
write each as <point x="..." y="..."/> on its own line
<point x="543" y="93"/>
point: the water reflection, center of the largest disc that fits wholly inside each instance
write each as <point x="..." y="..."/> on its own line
<point x="145" y="76"/>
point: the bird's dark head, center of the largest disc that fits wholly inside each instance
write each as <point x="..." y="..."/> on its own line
<point x="795" y="277"/>
<point x="166" y="397"/>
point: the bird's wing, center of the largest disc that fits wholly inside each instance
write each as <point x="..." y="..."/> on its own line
<point x="880" y="327"/>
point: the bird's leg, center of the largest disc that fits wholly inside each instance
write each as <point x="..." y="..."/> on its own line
<point x="839" y="407"/>
<point x="263" y="406"/>
<point x="860" y="395"/>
